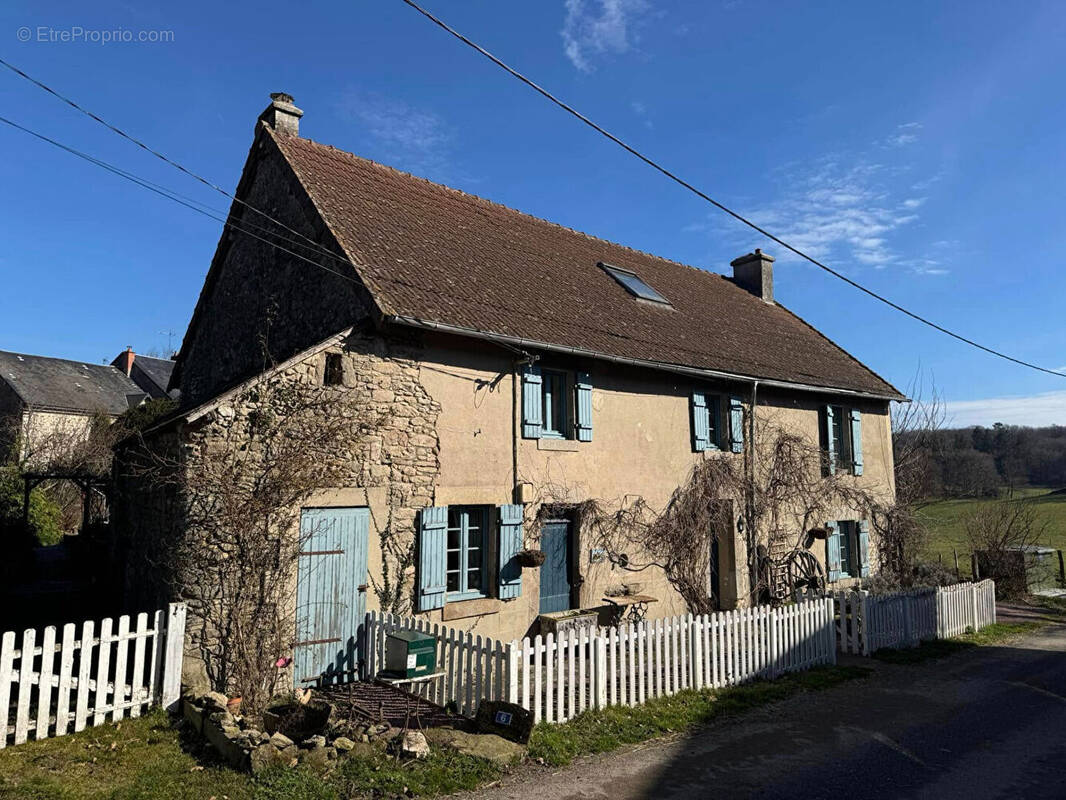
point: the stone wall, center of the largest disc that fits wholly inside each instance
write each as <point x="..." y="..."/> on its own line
<point x="261" y="304"/>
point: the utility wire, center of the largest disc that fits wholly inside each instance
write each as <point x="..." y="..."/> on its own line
<point x="147" y="148"/>
<point x="188" y="202"/>
<point x="721" y="206"/>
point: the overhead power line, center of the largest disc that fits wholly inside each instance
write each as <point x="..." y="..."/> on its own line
<point x="720" y="206"/>
<point x="176" y="165"/>
<point x="188" y="202"/>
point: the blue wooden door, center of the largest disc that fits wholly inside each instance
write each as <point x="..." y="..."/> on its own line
<point x="330" y="593"/>
<point x="555" y="572"/>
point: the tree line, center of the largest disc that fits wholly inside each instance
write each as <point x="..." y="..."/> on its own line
<point x="980" y="461"/>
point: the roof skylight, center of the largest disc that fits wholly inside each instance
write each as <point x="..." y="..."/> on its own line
<point x="633" y="283"/>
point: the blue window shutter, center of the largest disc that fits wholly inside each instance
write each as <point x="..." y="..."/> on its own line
<point x="532" y="410"/>
<point x="510" y="544"/>
<point x="864" y="548"/>
<point x="583" y="417"/>
<point x="830" y="445"/>
<point x="432" y="557"/>
<point x="856" y="442"/>
<point x="736" y="424"/>
<point x="832" y="551"/>
<point x="700" y="431"/>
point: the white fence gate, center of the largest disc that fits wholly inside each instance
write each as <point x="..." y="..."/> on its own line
<point x="58" y="682"/>
<point x="866" y="623"/>
<point x="559" y="677"/>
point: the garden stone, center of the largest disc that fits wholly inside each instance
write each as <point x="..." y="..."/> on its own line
<point x="413" y="744"/>
<point x="343" y="744"/>
<point x="488" y="746"/>
<point x="316" y="758"/>
<point x="222" y="718"/>
<point x="313" y="741"/>
<point x="266" y="756"/>
<point x="280" y="741"/>
<point x="213" y="701"/>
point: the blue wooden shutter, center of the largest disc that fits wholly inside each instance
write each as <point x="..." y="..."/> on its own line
<point x="830" y="445"/>
<point x="531" y="402"/>
<point x="864" y="548"/>
<point x="583" y="397"/>
<point x="856" y="442"/>
<point x="510" y="544"/>
<point x="432" y="557"/>
<point x="736" y="424"/>
<point x="700" y="429"/>
<point x="832" y="551"/>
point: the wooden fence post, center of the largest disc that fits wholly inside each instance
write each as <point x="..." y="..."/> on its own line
<point x="512" y="672"/>
<point x="600" y="644"/>
<point x="973" y="606"/>
<point x="172" y="656"/>
<point x="861" y="627"/>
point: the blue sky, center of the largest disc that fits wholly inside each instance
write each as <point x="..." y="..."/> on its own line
<point x="915" y="146"/>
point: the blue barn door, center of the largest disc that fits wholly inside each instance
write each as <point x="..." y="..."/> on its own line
<point x="330" y="594"/>
<point x="555" y="572"/>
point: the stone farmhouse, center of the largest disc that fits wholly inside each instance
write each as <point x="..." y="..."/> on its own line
<point x="519" y="369"/>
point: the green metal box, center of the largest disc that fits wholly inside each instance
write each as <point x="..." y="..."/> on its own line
<point x="410" y="654"/>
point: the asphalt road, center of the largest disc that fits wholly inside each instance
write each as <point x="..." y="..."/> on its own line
<point x="988" y="723"/>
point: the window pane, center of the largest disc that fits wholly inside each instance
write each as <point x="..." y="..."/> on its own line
<point x="453" y="582"/>
<point x="634" y="285"/>
<point x="473" y="580"/>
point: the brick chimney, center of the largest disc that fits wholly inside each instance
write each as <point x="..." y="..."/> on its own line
<point x="755" y="273"/>
<point x="124" y="361"/>
<point x="282" y="115"/>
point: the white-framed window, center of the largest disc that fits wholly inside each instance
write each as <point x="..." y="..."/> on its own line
<point x="467" y="544"/>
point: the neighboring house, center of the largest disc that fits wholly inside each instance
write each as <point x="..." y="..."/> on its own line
<point x="150" y="373"/>
<point x="50" y="403"/>
<point x="520" y="369"/>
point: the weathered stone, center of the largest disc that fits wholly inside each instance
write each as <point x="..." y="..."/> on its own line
<point x="313" y="741"/>
<point x="280" y="740"/>
<point x="413" y="744"/>
<point x="343" y="744"/>
<point x="316" y="758"/>
<point x="222" y="718"/>
<point x="213" y="701"/>
<point x="266" y="756"/>
<point x="483" y="745"/>
<point x="194" y="715"/>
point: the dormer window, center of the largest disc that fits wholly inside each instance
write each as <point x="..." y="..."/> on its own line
<point x="633" y="283"/>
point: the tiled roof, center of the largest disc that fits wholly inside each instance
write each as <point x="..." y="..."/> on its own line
<point x="437" y="254"/>
<point x="156" y="371"/>
<point x="56" y="383"/>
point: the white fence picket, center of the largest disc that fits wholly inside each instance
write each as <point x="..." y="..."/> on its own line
<point x="44" y="672"/>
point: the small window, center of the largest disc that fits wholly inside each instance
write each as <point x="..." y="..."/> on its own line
<point x="554" y="404"/>
<point x="633" y="284"/>
<point x="467" y="542"/>
<point x="848" y="568"/>
<point x="334" y="374"/>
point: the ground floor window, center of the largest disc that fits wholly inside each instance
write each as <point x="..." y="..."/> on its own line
<point x="467" y="541"/>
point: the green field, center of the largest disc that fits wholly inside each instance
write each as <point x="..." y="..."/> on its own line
<point x="945" y="522"/>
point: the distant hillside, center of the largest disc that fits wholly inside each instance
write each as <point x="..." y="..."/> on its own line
<point x="978" y="461"/>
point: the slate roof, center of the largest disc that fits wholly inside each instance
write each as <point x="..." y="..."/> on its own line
<point x="433" y="253"/>
<point x="156" y="373"/>
<point x="55" y="383"/>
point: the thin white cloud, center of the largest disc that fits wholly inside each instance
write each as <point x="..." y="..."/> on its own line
<point x="905" y="134"/>
<point x="837" y="210"/>
<point x="595" y="28"/>
<point x="402" y="135"/>
<point x="641" y="111"/>
<point x="845" y="208"/>
<point x="1047" y="408"/>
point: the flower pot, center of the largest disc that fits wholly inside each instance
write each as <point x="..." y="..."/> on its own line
<point x="530" y="558"/>
<point x="233" y="705"/>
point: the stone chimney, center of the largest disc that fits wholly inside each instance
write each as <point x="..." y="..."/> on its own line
<point x="755" y="273"/>
<point x="282" y="115"/>
<point x="124" y="361"/>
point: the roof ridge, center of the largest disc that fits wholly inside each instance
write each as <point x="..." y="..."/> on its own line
<point x="495" y="204"/>
<point x="57" y="358"/>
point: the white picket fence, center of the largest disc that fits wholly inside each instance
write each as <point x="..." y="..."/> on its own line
<point x="57" y="682"/>
<point x="866" y="623"/>
<point x="559" y="677"/>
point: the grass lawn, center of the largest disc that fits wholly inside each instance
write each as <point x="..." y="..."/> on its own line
<point x="945" y="518"/>
<point x="939" y="648"/>
<point x="610" y="728"/>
